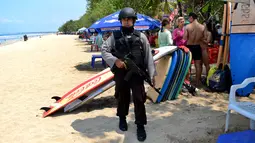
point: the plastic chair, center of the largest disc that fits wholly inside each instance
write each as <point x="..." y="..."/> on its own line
<point x="94" y="57"/>
<point x="247" y="136"/>
<point x="246" y="109"/>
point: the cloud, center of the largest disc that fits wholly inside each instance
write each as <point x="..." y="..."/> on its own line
<point x="5" y="20"/>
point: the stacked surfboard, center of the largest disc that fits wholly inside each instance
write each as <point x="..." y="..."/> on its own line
<point x="102" y="81"/>
<point x="172" y="70"/>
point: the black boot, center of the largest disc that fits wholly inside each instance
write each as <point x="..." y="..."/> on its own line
<point x="123" y="124"/>
<point x="141" y="134"/>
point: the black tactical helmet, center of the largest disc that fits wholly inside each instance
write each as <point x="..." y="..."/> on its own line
<point x="127" y="13"/>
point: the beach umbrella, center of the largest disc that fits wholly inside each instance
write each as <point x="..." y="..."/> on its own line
<point x="111" y="23"/>
<point x="82" y="29"/>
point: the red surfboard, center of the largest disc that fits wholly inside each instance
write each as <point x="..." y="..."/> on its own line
<point x="93" y="83"/>
<point x="79" y="91"/>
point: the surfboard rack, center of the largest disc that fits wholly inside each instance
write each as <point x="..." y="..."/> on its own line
<point x="45" y="108"/>
<point x="56" y="98"/>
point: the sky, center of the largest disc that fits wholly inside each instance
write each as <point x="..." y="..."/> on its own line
<point x="38" y="15"/>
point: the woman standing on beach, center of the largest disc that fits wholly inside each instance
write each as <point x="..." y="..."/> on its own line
<point x="204" y="46"/>
<point x="164" y="35"/>
<point x="179" y="32"/>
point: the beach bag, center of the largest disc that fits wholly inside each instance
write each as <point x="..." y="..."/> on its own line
<point x="228" y="78"/>
<point x="220" y="81"/>
<point x="210" y="73"/>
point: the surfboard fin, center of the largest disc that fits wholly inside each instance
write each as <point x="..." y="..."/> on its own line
<point x="45" y="109"/>
<point x="56" y="98"/>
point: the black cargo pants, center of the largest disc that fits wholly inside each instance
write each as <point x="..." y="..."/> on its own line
<point x="122" y="94"/>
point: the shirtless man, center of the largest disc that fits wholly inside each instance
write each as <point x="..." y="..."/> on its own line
<point x="195" y="34"/>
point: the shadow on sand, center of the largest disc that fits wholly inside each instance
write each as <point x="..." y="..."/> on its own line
<point x="87" y="66"/>
<point x="87" y="47"/>
<point x="167" y="122"/>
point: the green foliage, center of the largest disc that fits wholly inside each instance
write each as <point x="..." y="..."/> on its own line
<point x="201" y="7"/>
<point x="97" y="9"/>
<point x="70" y="26"/>
<point x="100" y="10"/>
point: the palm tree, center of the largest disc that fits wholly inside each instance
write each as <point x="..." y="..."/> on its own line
<point x="160" y="7"/>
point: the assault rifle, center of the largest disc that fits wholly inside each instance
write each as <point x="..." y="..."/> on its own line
<point x="134" y="69"/>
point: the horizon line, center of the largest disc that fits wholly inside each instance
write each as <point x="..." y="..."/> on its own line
<point x="16" y="33"/>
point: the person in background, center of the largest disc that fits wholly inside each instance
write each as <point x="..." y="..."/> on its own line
<point x="106" y="35"/>
<point x="164" y="35"/>
<point x="178" y="33"/>
<point x="218" y="31"/>
<point x="147" y="34"/>
<point x="156" y="40"/>
<point x="99" y="40"/>
<point x="92" y="38"/>
<point x="204" y="46"/>
<point x="152" y="39"/>
<point x="95" y="37"/>
<point x="25" y="37"/>
<point x="195" y="34"/>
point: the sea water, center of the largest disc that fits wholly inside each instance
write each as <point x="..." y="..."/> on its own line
<point x="19" y="36"/>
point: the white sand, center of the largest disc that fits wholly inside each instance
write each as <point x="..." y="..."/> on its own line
<point x="32" y="72"/>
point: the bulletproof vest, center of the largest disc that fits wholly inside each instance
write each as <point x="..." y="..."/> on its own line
<point x="129" y="44"/>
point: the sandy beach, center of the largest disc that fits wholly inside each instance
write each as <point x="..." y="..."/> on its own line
<point x="33" y="71"/>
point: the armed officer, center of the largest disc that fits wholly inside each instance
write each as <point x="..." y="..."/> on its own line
<point x="125" y="42"/>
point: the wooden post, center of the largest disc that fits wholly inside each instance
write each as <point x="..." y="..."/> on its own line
<point x="226" y="47"/>
<point x="223" y="34"/>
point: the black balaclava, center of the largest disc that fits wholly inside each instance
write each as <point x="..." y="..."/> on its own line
<point x="128" y="30"/>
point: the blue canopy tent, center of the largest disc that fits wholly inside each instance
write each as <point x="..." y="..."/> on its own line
<point x="111" y="23"/>
<point x="242" y="40"/>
